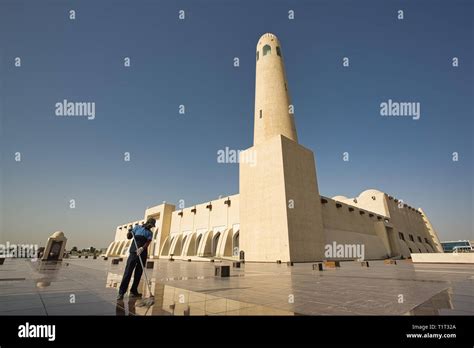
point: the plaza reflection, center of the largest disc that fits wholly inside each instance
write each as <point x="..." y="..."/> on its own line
<point x="443" y="300"/>
<point x="49" y="270"/>
<point x="170" y="300"/>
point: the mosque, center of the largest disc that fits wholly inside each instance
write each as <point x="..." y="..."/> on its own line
<point x="279" y="215"/>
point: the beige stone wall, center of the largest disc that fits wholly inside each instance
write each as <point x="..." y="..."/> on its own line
<point x="459" y="258"/>
<point x="303" y="206"/>
<point x="120" y="245"/>
<point x="194" y="230"/>
<point x="272" y="186"/>
<point x="263" y="213"/>
<point x="344" y="224"/>
<point x="280" y="210"/>
<point x="204" y="218"/>
<point x="432" y="232"/>
<point x="162" y="214"/>
<point x="401" y="217"/>
<point x="342" y="218"/>
<point x="409" y="221"/>
<point x="371" y="200"/>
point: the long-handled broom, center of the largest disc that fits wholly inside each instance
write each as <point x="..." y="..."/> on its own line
<point x="147" y="302"/>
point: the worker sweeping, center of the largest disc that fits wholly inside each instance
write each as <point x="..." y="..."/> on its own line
<point x="142" y="237"/>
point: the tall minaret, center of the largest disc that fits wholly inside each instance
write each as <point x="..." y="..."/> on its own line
<point x="279" y="204"/>
<point x="272" y="100"/>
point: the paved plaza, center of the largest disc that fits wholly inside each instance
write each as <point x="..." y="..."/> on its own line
<point x="89" y="287"/>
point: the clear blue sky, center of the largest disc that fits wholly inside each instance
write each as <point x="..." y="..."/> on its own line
<point x="190" y="62"/>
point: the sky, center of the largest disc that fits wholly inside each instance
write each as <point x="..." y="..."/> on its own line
<point x="190" y="62"/>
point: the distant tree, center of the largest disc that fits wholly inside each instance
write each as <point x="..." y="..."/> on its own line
<point x="74" y="248"/>
<point x="92" y="249"/>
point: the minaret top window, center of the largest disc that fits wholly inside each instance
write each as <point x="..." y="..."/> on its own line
<point x="266" y="49"/>
<point x="278" y="51"/>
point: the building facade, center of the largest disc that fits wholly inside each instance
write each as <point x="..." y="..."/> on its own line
<point x="278" y="214"/>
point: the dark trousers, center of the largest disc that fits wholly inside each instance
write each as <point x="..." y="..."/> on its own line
<point x="133" y="263"/>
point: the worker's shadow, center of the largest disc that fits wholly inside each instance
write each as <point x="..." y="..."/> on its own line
<point x="127" y="307"/>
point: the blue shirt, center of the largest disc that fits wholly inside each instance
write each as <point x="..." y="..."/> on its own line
<point x="142" y="235"/>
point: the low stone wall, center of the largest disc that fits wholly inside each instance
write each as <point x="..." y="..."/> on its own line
<point x="443" y="258"/>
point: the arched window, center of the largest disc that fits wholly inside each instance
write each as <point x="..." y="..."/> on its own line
<point x="215" y="242"/>
<point x="266" y="49"/>
<point x="183" y="244"/>
<point x="235" y="244"/>
<point x="257" y="55"/>
<point x="278" y="51"/>
<point x="198" y="241"/>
